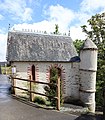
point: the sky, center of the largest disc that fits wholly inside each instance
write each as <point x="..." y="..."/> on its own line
<point x="42" y="15"/>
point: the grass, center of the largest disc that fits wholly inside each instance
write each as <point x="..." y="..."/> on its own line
<point x="6" y="70"/>
<point x="40" y="100"/>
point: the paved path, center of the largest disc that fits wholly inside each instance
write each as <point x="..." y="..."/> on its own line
<point x="12" y="109"/>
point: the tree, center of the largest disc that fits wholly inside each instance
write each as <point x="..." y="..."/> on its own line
<point x="78" y="43"/>
<point x="97" y="35"/>
<point x="56" y="29"/>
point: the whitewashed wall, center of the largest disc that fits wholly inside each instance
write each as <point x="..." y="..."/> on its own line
<point x="88" y="68"/>
<point x="69" y="76"/>
<point x="88" y="59"/>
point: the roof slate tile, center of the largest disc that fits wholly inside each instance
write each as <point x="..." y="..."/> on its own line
<point x="23" y="46"/>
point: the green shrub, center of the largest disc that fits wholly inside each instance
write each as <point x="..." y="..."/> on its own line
<point x="50" y="90"/>
<point x="39" y="100"/>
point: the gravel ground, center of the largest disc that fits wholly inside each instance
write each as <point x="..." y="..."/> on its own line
<point x="74" y="109"/>
<point x="82" y="112"/>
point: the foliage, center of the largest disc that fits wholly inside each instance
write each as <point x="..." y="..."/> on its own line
<point x="78" y="43"/>
<point x="97" y="35"/>
<point x="50" y="90"/>
<point x="6" y="70"/>
<point x="56" y="29"/>
<point x="39" y="100"/>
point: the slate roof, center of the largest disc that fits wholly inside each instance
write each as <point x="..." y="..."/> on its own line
<point x="88" y="44"/>
<point x="24" y="46"/>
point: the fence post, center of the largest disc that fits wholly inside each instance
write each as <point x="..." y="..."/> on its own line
<point x="12" y="81"/>
<point x="30" y="88"/>
<point x="104" y="103"/>
<point x="58" y="94"/>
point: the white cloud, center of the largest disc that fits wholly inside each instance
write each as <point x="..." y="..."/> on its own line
<point x="76" y="33"/>
<point x="18" y="9"/>
<point x="92" y="5"/>
<point x="37" y="27"/>
<point x="63" y="17"/>
<point x="27" y="14"/>
<point x="60" y="15"/>
<point x="82" y="18"/>
<point x="87" y="9"/>
<point x="3" y="44"/>
<point x="55" y="15"/>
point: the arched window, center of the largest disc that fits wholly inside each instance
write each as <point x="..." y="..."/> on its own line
<point x="59" y="72"/>
<point x="33" y="72"/>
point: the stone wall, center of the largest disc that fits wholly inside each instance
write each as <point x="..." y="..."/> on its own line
<point x="69" y="76"/>
<point x="88" y="68"/>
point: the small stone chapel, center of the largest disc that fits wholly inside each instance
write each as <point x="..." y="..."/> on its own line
<point x="36" y="54"/>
